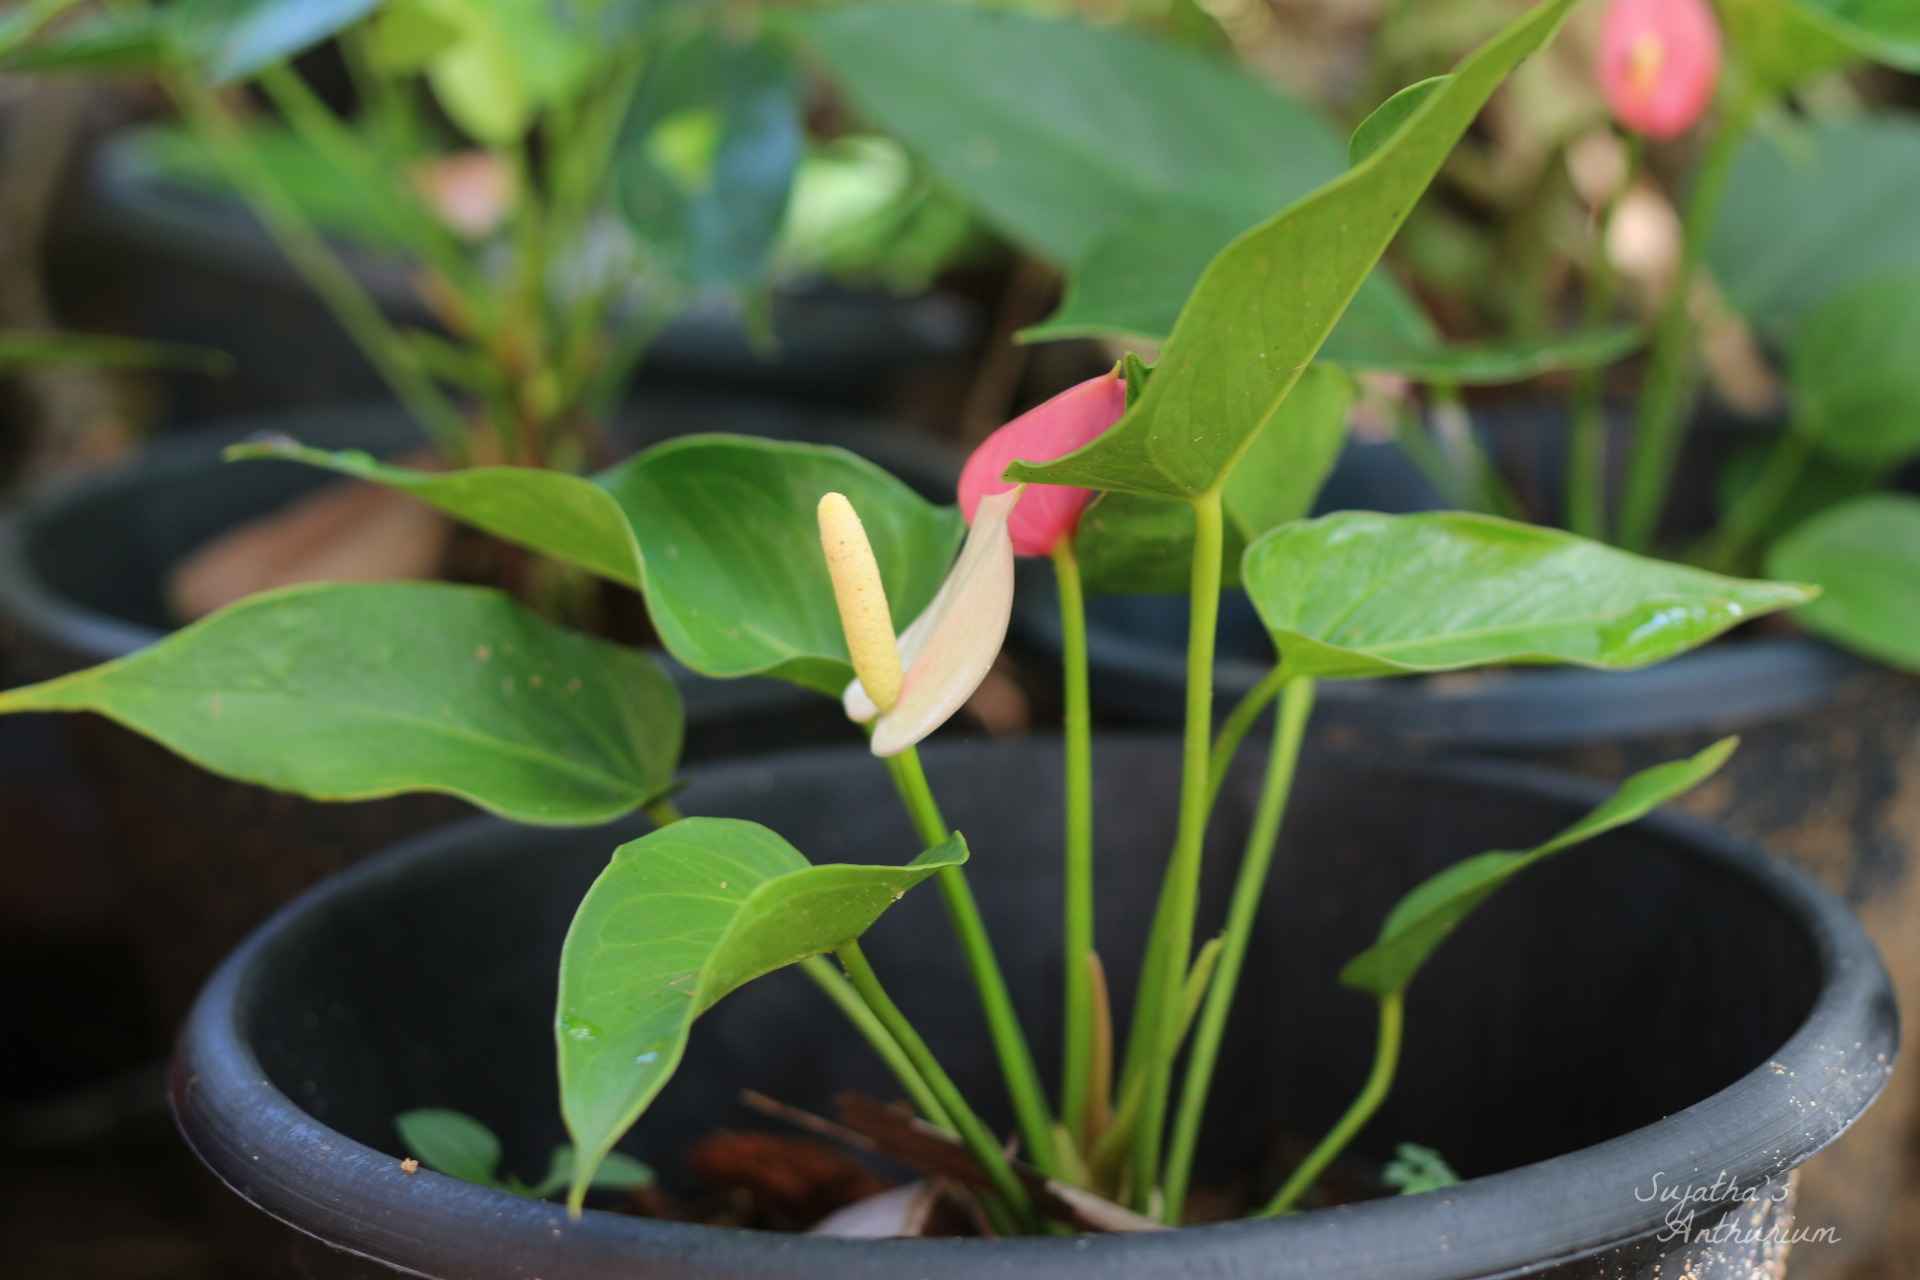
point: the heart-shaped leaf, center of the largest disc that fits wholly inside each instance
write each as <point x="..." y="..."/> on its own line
<point x="736" y="584"/>
<point x="351" y="692"/>
<point x="1423" y="919"/>
<point x="1360" y="594"/>
<point x="1865" y="555"/>
<point x="1270" y="299"/>
<point x="707" y="157"/>
<point x="1134" y="545"/>
<point x="232" y="39"/>
<point x="1815" y="210"/>
<point x="1856" y="378"/>
<point x="725" y="529"/>
<point x="678" y="920"/>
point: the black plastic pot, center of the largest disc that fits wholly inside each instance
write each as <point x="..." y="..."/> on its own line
<point x="82" y="570"/>
<point x="1662" y="1009"/>
<point x="144" y="255"/>
<point x="1828" y="772"/>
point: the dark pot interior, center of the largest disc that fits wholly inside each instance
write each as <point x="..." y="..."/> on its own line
<point x="159" y="259"/>
<point x="1663" y="1002"/>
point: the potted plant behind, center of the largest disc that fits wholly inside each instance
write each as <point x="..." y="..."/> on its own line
<point x="759" y="557"/>
<point x="1797" y="243"/>
<point x="685" y="136"/>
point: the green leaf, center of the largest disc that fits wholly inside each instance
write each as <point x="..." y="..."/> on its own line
<point x="679" y="919"/>
<point x="1814" y="211"/>
<point x="135" y="40"/>
<point x="1130" y="544"/>
<point x="407" y="35"/>
<point x="451" y="1142"/>
<point x="510" y="60"/>
<point x="1424" y="919"/>
<point x="29" y="349"/>
<point x="725" y="529"/>
<point x="617" y="1172"/>
<point x="1268" y="302"/>
<point x="1855" y="375"/>
<point x="708" y="155"/>
<point x="1358" y="594"/>
<point x="1060" y="131"/>
<point x="1386" y="119"/>
<point x="233" y="39"/>
<point x="736" y="584"/>
<point x="1887" y="31"/>
<point x="1480" y="363"/>
<point x="559" y="515"/>
<point x="1415" y="1169"/>
<point x="351" y="692"/>
<point x="1866" y="557"/>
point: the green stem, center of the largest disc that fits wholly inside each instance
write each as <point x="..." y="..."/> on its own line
<point x="978" y="1138"/>
<point x="1236" y="726"/>
<point x="868" y="1023"/>
<point x="1386" y="1056"/>
<point x="344" y="295"/>
<point x="1180" y="892"/>
<point x="1003" y="1024"/>
<point x="1658" y="425"/>
<point x="1289" y="730"/>
<point x="1077" y="1053"/>
<point x="1756" y="509"/>
<point x="665" y="812"/>
<point x="1587" y="450"/>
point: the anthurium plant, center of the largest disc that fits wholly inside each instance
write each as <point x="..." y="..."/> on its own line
<point x="1787" y="192"/>
<point x="811" y="565"/>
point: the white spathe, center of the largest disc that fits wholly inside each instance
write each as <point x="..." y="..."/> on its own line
<point x="948" y="650"/>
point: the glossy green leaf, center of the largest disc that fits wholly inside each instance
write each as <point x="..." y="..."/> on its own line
<point x="1359" y="594"/>
<point x="1865" y="555"/>
<point x="1855" y="370"/>
<point x="30" y="349"/>
<point x="556" y="514"/>
<point x="708" y="155"/>
<point x="1268" y="302"/>
<point x="1814" y="211"/>
<point x="233" y="39"/>
<point x="451" y="1142"/>
<point x="1386" y="119"/>
<point x="736" y="584"/>
<point x="725" y="529"/>
<point x="1425" y="918"/>
<point x="679" y="919"/>
<point x="1131" y="544"/>
<point x="351" y="692"/>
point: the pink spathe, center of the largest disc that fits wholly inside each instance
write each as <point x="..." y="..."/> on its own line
<point x="1045" y="513"/>
<point x="1659" y="62"/>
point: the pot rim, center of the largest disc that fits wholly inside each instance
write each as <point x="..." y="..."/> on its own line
<point x="1723" y="686"/>
<point x="1755" y="1128"/>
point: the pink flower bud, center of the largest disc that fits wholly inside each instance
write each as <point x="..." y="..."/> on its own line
<point x="1659" y="60"/>
<point x="1045" y="513"/>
